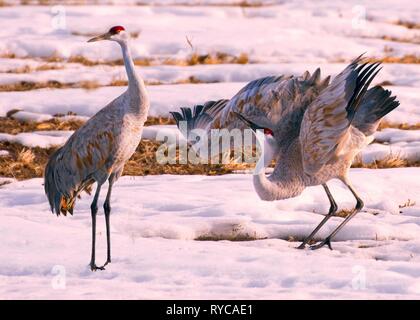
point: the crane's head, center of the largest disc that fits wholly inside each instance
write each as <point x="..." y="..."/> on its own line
<point x="267" y="132"/>
<point x="265" y="138"/>
<point x="116" y="33"/>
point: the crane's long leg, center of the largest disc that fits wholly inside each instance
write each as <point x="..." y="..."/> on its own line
<point x="107" y="210"/>
<point x="331" y="212"/>
<point x="358" y="208"/>
<point x="94" y="211"/>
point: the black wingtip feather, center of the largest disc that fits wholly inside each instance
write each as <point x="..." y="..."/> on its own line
<point x="366" y="72"/>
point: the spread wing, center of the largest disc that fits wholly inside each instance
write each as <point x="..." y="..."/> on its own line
<point x="324" y="131"/>
<point x="275" y="102"/>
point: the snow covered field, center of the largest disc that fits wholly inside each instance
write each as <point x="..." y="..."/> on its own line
<point x="154" y="255"/>
<point x="156" y="220"/>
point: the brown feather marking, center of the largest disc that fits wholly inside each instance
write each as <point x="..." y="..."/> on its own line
<point x="79" y="162"/>
<point x="88" y="157"/>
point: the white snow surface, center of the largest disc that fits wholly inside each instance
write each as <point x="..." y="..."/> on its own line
<point x="292" y="31"/>
<point x="42" y="139"/>
<point x="164" y="98"/>
<point x="155" y="254"/>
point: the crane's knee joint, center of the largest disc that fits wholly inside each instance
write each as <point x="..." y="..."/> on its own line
<point x="333" y="209"/>
<point x="94" y="208"/>
<point x="359" y="204"/>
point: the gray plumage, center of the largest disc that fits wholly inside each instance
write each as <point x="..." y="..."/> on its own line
<point x="318" y="128"/>
<point x="95" y="151"/>
<point x="98" y="150"/>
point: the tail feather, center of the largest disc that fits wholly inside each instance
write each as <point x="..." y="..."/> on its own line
<point x="201" y="116"/>
<point x="61" y="199"/>
<point x="54" y="196"/>
<point x="376" y="103"/>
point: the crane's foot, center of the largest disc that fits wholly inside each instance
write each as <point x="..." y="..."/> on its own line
<point x="302" y="245"/>
<point x="327" y="242"/>
<point x="94" y="267"/>
<point x="107" y="261"/>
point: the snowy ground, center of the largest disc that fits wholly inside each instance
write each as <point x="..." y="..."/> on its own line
<point x="154" y="227"/>
<point x="377" y="255"/>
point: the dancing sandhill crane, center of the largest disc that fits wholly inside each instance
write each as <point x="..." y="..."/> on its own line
<point x="313" y="129"/>
<point x="98" y="150"/>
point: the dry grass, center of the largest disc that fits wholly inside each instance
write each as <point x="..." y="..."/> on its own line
<point x="343" y="213"/>
<point x="403" y="126"/>
<point x="192" y="59"/>
<point x="415" y="40"/>
<point x="29" y="69"/>
<point x="408" y="24"/>
<point x="8" y="56"/>
<point x="228" y="237"/>
<point x="407" y="204"/>
<point x="385" y="83"/>
<point x="243" y="4"/>
<point x="13" y="126"/>
<point x="87" y="85"/>
<point x="22" y="162"/>
<point x="408" y="58"/>
<point x="159" y="121"/>
<point x="216" y="58"/>
<point x="52" y="84"/>
<point x="390" y="161"/>
<point x="25" y="163"/>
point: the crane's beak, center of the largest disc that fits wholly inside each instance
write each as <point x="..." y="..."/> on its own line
<point x="104" y="36"/>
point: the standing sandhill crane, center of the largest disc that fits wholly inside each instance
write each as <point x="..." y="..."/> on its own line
<point x="313" y="129"/>
<point x="99" y="149"/>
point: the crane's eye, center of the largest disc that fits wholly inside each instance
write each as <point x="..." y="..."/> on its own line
<point x="268" y="131"/>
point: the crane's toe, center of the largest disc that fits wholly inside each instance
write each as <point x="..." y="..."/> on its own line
<point x="94" y="267"/>
<point x="327" y="242"/>
<point x="302" y="245"/>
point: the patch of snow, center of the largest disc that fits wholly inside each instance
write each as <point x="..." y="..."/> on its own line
<point x="390" y="142"/>
<point x="26" y="116"/>
<point x="42" y="139"/>
<point x="48" y="139"/>
<point x="150" y="132"/>
<point x="392" y="135"/>
<point x="164" y="98"/>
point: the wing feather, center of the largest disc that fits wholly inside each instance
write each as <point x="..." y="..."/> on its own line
<point x="324" y="130"/>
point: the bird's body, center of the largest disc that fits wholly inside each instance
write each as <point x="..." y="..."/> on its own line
<point x="316" y="127"/>
<point x="98" y="150"/>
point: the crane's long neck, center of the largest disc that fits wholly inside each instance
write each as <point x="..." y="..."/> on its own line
<point x="136" y="86"/>
<point x="276" y="187"/>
